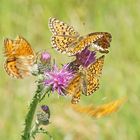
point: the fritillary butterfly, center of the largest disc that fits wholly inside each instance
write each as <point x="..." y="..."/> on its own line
<point x="20" y="57"/>
<point x="101" y="110"/>
<point x="86" y="81"/>
<point x="66" y="40"/>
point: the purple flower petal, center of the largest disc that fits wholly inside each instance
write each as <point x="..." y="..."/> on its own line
<point x="58" y="79"/>
<point x="45" y="108"/>
<point x="86" y="57"/>
<point x="45" y="57"/>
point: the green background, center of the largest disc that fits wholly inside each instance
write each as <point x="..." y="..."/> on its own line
<point x="29" y="18"/>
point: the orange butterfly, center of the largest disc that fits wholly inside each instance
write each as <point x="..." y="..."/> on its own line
<point x="66" y="40"/>
<point x="86" y="81"/>
<point x="20" y="57"/>
<point x="102" y="110"/>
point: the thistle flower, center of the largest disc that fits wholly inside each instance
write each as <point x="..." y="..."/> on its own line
<point x="43" y="116"/>
<point x="58" y="78"/>
<point x="45" y="57"/>
<point x="44" y="62"/>
<point x="46" y="109"/>
<point x="86" y="57"/>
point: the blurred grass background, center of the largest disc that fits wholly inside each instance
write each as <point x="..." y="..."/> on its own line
<point x="29" y="18"/>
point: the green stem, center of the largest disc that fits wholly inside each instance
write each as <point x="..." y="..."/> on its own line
<point x="30" y="114"/>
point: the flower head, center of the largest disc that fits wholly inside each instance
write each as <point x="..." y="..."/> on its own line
<point x="45" y="108"/>
<point x="84" y="58"/>
<point x="43" y="115"/>
<point x="45" y="57"/>
<point x="58" y="79"/>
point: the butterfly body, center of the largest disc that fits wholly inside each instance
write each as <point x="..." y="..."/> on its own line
<point x="66" y="40"/>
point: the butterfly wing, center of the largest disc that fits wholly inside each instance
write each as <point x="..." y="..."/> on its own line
<point x="66" y="40"/>
<point x="84" y="42"/>
<point x="107" y="108"/>
<point x="101" y="110"/>
<point x="24" y="65"/>
<point x="62" y="43"/>
<point x="23" y="47"/>
<point x="102" y="43"/>
<point x="99" y="41"/>
<point x="93" y="71"/>
<point x="17" y="47"/>
<point x="20" y="57"/>
<point x="64" y="36"/>
<point x="11" y="68"/>
<point x="62" y="29"/>
<point x="74" y="89"/>
<point x="10" y="62"/>
<point x="9" y="48"/>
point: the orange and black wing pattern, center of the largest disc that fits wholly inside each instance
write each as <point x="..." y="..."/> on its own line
<point x="92" y="74"/>
<point x="66" y="40"/>
<point x="19" y="57"/>
<point x="74" y="89"/>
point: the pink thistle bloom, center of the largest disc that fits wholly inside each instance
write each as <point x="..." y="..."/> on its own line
<point x="45" y="57"/>
<point x="86" y="57"/>
<point x="58" y="79"/>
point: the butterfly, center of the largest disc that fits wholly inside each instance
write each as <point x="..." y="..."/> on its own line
<point x="101" y="110"/>
<point x="86" y="81"/>
<point x="20" y="57"/>
<point x="66" y="40"/>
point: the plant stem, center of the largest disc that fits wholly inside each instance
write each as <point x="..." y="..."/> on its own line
<point x="30" y="115"/>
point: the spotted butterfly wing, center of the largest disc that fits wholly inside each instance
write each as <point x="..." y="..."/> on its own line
<point x="74" y="89"/>
<point x="66" y="40"/>
<point x="63" y="35"/>
<point x="23" y="48"/>
<point x="10" y="62"/>
<point x="103" y="43"/>
<point x="92" y="74"/>
<point x="9" y="48"/>
<point x="19" y="57"/>
<point x="97" y="40"/>
<point x="60" y="28"/>
<point x="11" y="69"/>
